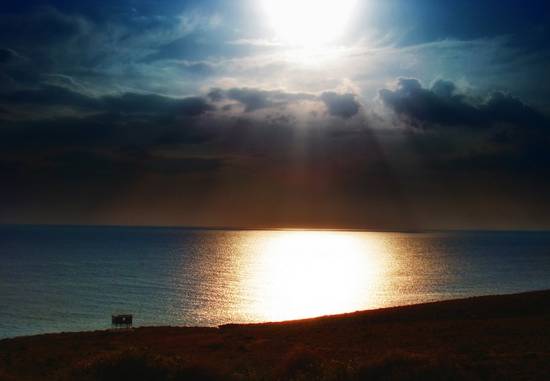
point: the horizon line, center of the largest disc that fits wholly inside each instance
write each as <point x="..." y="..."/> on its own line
<point x="275" y="228"/>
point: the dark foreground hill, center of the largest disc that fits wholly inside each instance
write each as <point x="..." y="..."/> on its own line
<point x="485" y="338"/>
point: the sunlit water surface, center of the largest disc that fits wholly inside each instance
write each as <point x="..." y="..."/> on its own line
<point x="73" y="278"/>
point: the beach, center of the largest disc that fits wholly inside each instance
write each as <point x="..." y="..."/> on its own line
<point x="482" y="338"/>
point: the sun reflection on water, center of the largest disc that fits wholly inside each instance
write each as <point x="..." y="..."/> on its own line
<point x="256" y="276"/>
<point x="297" y="274"/>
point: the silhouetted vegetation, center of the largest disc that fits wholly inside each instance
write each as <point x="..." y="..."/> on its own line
<point x="298" y="364"/>
<point x="140" y="365"/>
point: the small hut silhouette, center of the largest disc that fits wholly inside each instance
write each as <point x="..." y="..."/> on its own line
<point x="124" y="320"/>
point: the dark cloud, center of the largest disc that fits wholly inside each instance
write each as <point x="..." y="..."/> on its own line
<point x="494" y="138"/>
<point x="102" y="130"/>
<point x="133" y="103"/>
<point x="252" y="99"/>
<point x="256" y="99"/>
<point x="105" y="122"/>
<point x="341" y="105"/>
<point x="216" y="94"/>
<point x="442" y="105"/>
<point x="79" y="147"/>
<point x="156" y="104"/>
<point x="505" y="108"/>
<point x="441" y="87"/>
<point x="439" y="105"/>
<point x="48" y="95"/>
<point x="7" y="55"/>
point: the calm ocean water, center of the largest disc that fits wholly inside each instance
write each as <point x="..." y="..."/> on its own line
<point x="73" y="278"/>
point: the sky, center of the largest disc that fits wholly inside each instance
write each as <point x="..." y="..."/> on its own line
<point x="363" y="114"/>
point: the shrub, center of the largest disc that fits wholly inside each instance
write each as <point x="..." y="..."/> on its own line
<point x="300" y="363"/>
<point x="410" y="367"/>
<point x="134" y="365"/>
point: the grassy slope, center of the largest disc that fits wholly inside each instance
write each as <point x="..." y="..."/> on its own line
<point x="485" y="338"/>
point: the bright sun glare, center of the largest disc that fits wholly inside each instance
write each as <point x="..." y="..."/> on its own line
<point x="306" y="273"/>
<point x="308" y="22"/>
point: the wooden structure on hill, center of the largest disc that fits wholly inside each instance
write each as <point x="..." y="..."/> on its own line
<point x="124" y="320"/>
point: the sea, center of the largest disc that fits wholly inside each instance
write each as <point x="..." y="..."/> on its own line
<point x="73" y="278"/>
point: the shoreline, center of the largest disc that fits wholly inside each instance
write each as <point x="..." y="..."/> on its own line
<point x="390" y="309"/>
<point x="496" y="336"/>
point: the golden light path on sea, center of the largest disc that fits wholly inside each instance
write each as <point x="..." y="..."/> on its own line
<point x="298" y="274"/>
<point x="246" y="276"/>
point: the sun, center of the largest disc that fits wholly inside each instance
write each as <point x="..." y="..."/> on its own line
<point x="308" y="23"/>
